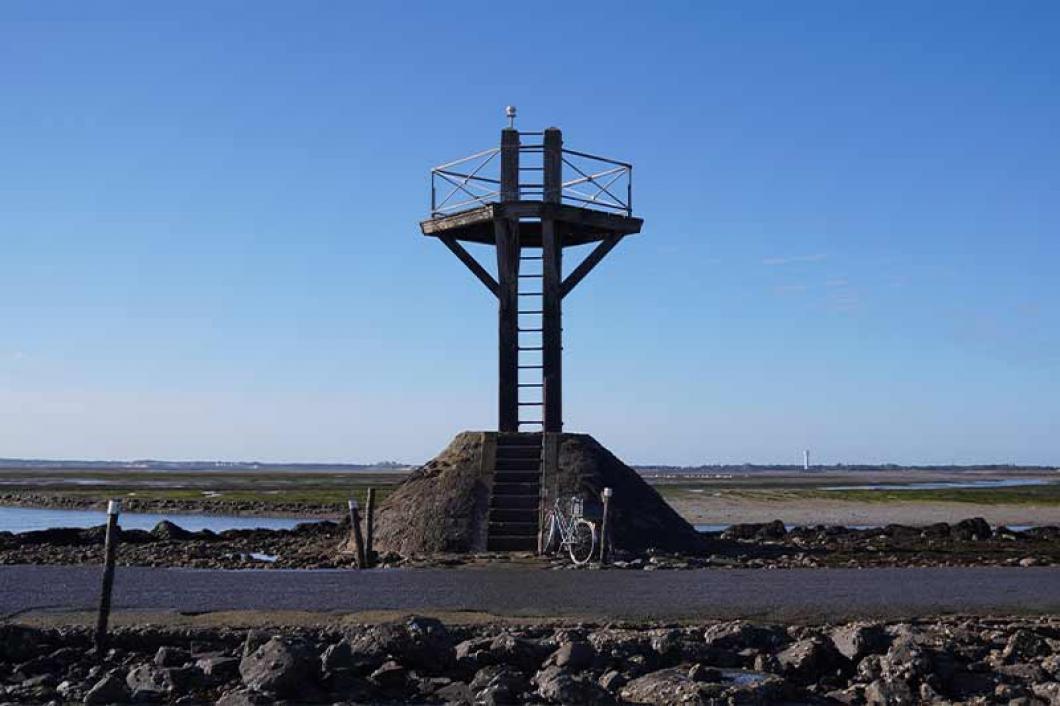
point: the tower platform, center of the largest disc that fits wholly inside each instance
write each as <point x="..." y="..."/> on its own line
<point x="575" y="225"/>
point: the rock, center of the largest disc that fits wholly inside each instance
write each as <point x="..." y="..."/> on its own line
<point x="338" y="657"/>
<point x="390" y="676"/>
<point x="557" y="685"/>
<point x="149" y="683"/>
<point x="218" y="668"/>
<point x="889" y="692"/>
<point x="857" y="640"/>
<point x="756" y="530"/>
<point x="455" y="693"/>
<point x="573" y="655"/>
<point x="975" y="529"/>
<point x="244" y="697"/>
<point x="108" y="690"/>
<point x="703" y="674"/>
<point x="811" y="660"/>
<point x="741" y="635"/>
<point x="1029" y="561"/>
<point x="1049" y="692"/>
<point x="612" y="680"/>
<point x="171" y="657"/>
<point x="664" y="687"/>
<point x="499" y="684"/>
<point x="1025" y="645"/>
<point x="905" y="660"/>
<point x="169" y="531"/>
<point x="519" y="652"/>
<point x="280" y="666"/>
<point x="420" y="643"/>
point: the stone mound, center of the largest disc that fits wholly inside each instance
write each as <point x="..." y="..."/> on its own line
<point x="444" y="505"/>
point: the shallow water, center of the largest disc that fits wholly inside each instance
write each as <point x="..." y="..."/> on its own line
<point x="24" y="519"/>
<point x="722" y="528"/>
<point x="944" y="485"/>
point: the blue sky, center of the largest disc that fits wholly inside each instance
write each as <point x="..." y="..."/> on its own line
<point x="208" y="221"/>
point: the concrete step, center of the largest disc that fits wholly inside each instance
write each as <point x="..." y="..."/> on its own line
<point x="512" y="452"/>
<point x="521" y="514"/>
<point x="517" y="464"/>
<point x="512" y="529"/>
<point x="511" y="544"/>
<point x="514" y="502"/>
<point x="517" y="489"/>
<point x="516" y="477"/>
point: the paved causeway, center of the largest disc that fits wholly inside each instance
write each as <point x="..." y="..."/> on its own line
<point x="617" y="594"/>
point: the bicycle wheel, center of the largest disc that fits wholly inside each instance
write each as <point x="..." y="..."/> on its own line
<point x="581" y="549"/>
<point x="552" y="536"/>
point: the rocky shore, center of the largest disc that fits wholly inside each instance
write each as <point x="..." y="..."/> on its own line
<point x="314" y="545"/>
<point x="422" y="661"/>
<point x="211" y="506"/>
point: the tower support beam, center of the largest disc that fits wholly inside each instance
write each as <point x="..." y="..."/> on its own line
<point x="507" y="232"/>
<point x="552" y="296"/>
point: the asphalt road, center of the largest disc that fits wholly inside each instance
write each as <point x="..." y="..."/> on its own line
<point x="619" y="594"/>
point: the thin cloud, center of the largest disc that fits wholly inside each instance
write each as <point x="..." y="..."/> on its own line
<point x="792" y="259"/>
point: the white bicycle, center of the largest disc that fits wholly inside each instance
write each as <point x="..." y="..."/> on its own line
<point x="570" y="530"/>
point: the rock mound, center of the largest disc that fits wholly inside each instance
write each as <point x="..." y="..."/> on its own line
<point x="443" y="506"/>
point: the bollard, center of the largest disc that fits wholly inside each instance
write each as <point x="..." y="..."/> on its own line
<point x="109" y="549"/>
<point x="358" y="540"/>
<point x="369" y="515"/>
<point x="603" y="526"/>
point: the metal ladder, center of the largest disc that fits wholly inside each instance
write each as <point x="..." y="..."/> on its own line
<point x="531" y="340"/>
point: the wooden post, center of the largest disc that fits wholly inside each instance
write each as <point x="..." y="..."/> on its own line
<point x="110" y="547"/>
<point x="509" y="164"/>
<point x="552" y="285"/>
<point x="369" y="515"/>
<point x="506" y="235"/>
<point x="358" y="539"/>
<point x="506" y="232"/>
<point x="603" y="526"/>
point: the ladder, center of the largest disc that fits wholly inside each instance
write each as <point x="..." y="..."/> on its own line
<point x="531" y="340"/>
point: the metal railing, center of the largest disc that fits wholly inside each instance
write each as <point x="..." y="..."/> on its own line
<point x="474" y="181"/>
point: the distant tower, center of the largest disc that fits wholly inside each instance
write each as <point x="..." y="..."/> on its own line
<point x="529" y="201"/>
<point x="806" y="460"/>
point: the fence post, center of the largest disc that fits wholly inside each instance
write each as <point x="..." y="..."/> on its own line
<point x="358" y="539"/>
<point x="369" y="516"/>
<point x="110" y="547"/>
<point x="603" y="526"/>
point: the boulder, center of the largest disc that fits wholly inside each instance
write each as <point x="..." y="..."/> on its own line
<point x="110" y="689"/>
<point x="741" y="635"/>
<point x="218" y="668"/>
<point x="573" y="655"/>
<point x="171" y="657"/>
<point x="557" y="685"/>
<point x="499" y="684"/>
<point x="756" y="530"/>
<point x="169" y="531"/>
<point x="244" y="697"/>
<point x="419" y="643"/>
<point x="519" y="652"/>
<point x="1024" y="645"/>
<point x="857" y="640"/>
<point x="390" y="676"/>
<point x="889" y="692"/>
<point x="149" y="683"/>
<point x="281" y="666"/>
<point x="811" y="660"/>
<point x="975" y="529"/>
